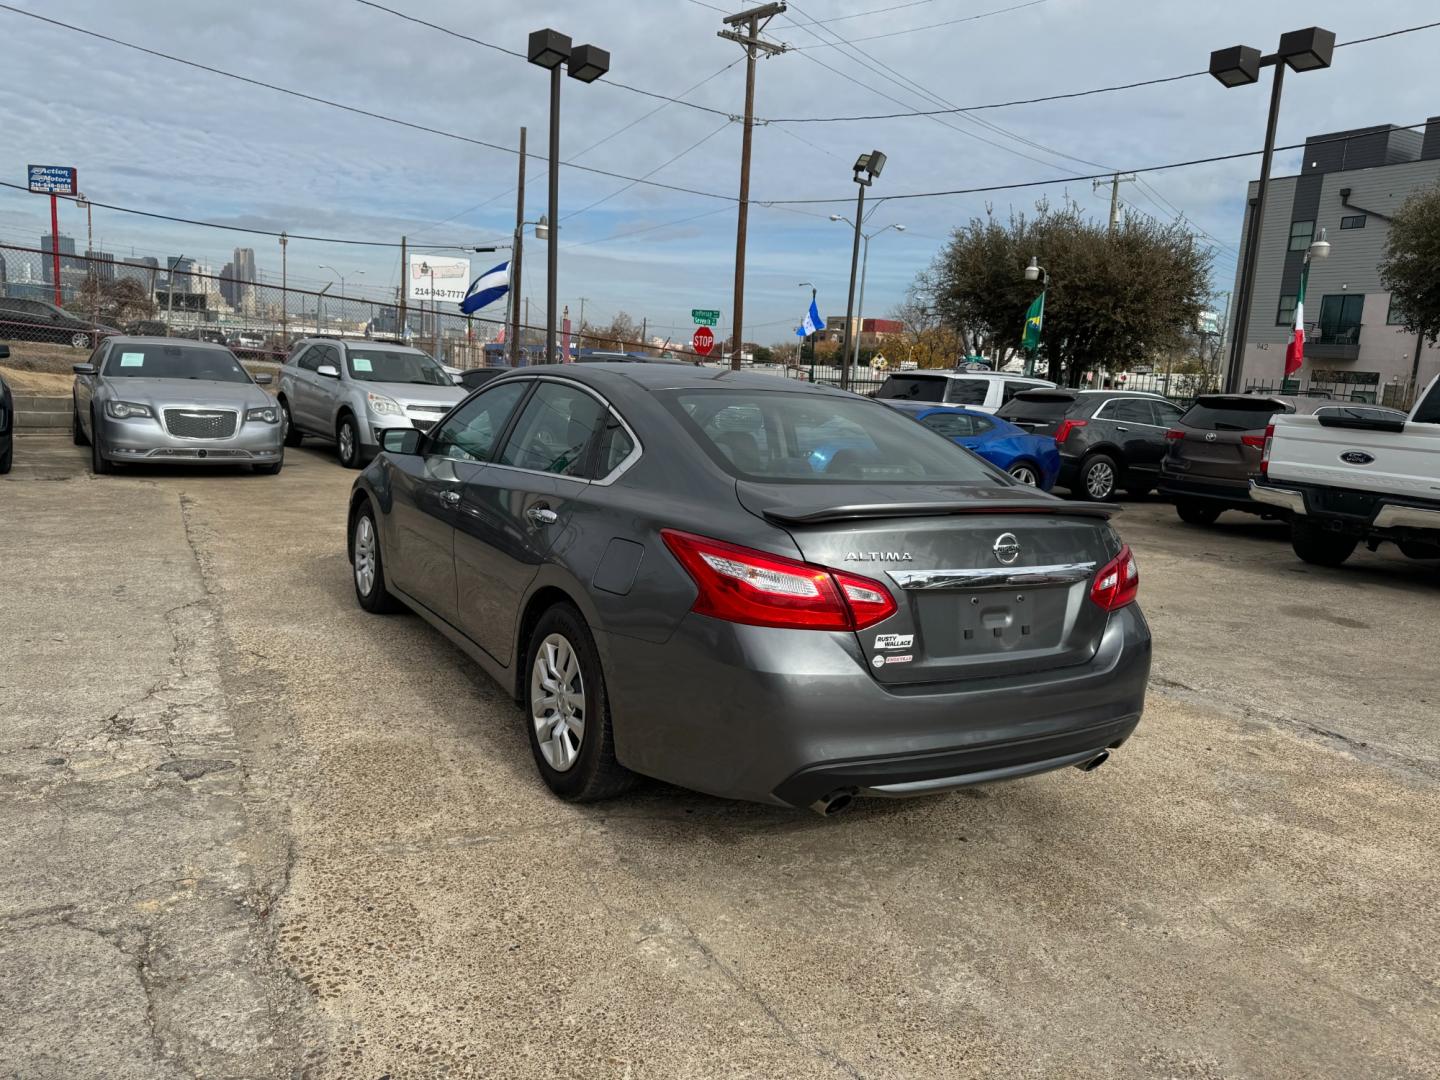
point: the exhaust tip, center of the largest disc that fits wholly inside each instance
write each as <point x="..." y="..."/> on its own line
<point x="837" y="802"/>
<point x="1093" y="763"/>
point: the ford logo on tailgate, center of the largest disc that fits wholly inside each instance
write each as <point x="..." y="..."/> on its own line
<point x="1356" y="457"/>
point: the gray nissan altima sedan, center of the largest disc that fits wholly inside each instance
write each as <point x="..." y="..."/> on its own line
<point x="153" y="400"/>
<point x="754" y="588"/>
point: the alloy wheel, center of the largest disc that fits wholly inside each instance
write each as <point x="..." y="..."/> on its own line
<point x="1100" y="480"/>
<point x="557" y="702"/>
<point x="365" y="547"/>
<point x="1025" y="475"/>
<point x="347" y="443"/>
<point x="79" y="341"/>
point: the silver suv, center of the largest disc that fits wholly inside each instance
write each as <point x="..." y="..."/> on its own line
<point x="353" y="391"/>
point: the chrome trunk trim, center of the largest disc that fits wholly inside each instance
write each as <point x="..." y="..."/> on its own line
<point x="1002" y="577"/>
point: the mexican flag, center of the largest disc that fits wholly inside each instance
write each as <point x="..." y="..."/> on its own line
<point x="1295" y="350"/>
<point x="1034" y="323"/>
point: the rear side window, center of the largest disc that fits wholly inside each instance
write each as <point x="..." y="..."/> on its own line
<point x="614" y="447"/>
<point x="913" y="388"/>
<point x="1231" y="416"/>
<point x="787" y="437"/>
<point x="1013" y="388"/>
<point x="951" y="425"/>
<point x="1036" y="406"/>
<point x="1128" y="412"/>
<point x="554" y="430"/>
<point x="967" y="391"/>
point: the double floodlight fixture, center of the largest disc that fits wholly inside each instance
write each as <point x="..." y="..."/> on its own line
<point x="550" y="48"/>
<point x="1300" y="50"/>
<point x="871" y="164"/>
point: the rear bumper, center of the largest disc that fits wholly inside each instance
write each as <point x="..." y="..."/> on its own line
<point x="782" y="716"/>
<point x="1366" y="513"/>
<point x="1215" y="491"/>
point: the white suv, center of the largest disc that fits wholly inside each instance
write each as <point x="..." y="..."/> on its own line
<point x="985" y="391"/>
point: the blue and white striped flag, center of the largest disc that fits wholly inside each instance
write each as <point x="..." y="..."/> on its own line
<point x="487" y="288"/>
<point x="812" y="322"/>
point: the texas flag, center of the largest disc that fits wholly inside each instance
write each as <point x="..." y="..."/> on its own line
<point x="1295" y="350"/>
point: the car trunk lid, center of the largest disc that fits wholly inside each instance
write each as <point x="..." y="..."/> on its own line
<point x="989" y="581"/>
<point x="1038" y="411"/>
<point x="1222" y="436"/>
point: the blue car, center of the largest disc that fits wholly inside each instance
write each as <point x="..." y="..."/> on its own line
<point x="1031" y="459"/>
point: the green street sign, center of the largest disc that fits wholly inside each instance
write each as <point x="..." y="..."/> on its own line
<point x="704" y="317"/>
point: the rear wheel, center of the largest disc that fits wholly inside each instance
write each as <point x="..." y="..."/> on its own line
<point x="293" y="435"/>
<point x="370" y="587"/>
<point x="77" y="434"/>
<point x="1098" y="477"/>
<point x="80" y="340"/>
<point x="1320" y="546"/>
<point x="347" y="442"/>
<point x="99" y="465"/>
<point x="1026" y="473"/>
<point x="1195" y="513"/>
<point x="1418" y="549"/>
<point x="7" y="459"/>
<point x="568" y="712"/>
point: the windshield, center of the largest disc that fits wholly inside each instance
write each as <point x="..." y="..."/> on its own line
<point x="913" y="388"/>
<point x="797" y="437"/>
<point x="156" y="361"/>
<point x="394" y="366"/>
<point x="1232" y="415"/>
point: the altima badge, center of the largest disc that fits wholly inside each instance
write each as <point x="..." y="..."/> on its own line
<point x="878" y="556"/>
<point x="1007" y="548"/>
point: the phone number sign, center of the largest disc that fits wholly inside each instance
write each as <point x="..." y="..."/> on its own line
<point x="53" y="179"/>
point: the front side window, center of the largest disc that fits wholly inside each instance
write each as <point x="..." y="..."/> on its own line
<point x="471" y="431"/>
<point x="789" y="437"/>
<point x="396" y="366"/>
<point x="554" y="430"/>
<point x="151" y="360"/>
<point x="1301" y="233"/>
<point x="967" y="391"/>
<point x="951" y="425"/>
<point x="913" y="388"/>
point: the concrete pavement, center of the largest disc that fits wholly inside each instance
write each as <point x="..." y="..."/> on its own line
<point x="286" y="838"/>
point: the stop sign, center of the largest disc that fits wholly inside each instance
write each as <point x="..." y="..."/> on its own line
<point x="703" y="341"/>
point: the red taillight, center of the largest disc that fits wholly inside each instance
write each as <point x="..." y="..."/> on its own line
<point x="1118" y="581"/>
<point x="1257" y="441"/>
<point x="1066" y="426"/>
<point x="740" y="584"/>
<point x="1174" y="433"/>
<point x="1265" y="455"/>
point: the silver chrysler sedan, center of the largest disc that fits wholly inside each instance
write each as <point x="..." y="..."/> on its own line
<point x="162" y="400"/>
<point x="754" y="588"/>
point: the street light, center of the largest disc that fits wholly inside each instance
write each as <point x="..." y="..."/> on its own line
<point x="337" y="273"/>
<point x="866" y="168"/>
<point x="1035" y="272"/>
<point x="864" y="263"/>
<point x="517" y="257"/>
<point x="550" y="49"/>
<point x="1300" y="50"/>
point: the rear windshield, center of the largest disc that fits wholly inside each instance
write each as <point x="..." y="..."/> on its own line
<point x="1232" y="415"/>
<point x="1037" y="407"/>
<point x="394" y="366"/>
<point x="156" y="361"/>
<point x="808" y="438"/>
<point x="913" y="388"/>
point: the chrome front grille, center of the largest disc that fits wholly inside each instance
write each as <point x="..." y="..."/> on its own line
<point x="200" y="423"/>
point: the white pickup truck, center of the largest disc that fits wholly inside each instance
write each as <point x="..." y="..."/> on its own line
<point x="1355" y="474"/>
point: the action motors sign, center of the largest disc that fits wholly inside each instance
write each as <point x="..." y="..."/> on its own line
<point x="53" y="180"/>
<point x="436" y="279"/>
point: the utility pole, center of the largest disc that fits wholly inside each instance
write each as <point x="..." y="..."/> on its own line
<point x="404" y="283"/>
<point x="284" y="291"/>
<point x="750" y="41"/>
<point x="580" y="328"/>
<point x="1114" y="182"/>
<point x="517" y="260"/>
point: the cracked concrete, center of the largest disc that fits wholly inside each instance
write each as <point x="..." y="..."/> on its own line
<point x="252" y="831"/>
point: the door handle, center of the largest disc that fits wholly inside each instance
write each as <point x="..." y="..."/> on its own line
<point x="542" y="515"/>
<point x="1121" y="427"/>
<point x="450" y="498"/>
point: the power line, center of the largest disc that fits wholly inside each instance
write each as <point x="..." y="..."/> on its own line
<point x="874" y="11"/>
<point x="354" y="108"/>
<point x="931" y="26"/>
<point x="663" y="165"/>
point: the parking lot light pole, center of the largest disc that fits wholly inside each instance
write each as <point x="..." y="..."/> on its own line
<point x="864" y="265"/>
<point x="813" y="294"/>
<point x="1035" y="272"/>
<point x="867" y="167"/>
<point x="1300" y="50"/>
<point x="550" y="49"/>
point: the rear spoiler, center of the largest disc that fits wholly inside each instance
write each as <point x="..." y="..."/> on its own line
<point x="857" y="511"/>
<point x="1360" y="419"/>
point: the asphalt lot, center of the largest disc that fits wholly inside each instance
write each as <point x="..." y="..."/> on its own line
<point x="247" y="830"/>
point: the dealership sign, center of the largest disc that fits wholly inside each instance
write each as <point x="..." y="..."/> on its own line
<point x="438" y="279"/>
<point x="53" y="179"/>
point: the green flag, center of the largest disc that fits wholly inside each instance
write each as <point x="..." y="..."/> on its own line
<point x="1034" y="323"/>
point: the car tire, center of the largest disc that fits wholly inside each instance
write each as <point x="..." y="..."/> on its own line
<point x="1196" y="513"/>
<point x="272" y="469"/>
<point x="293" y="435"/>
<point x="7" y="459"/>
<point x="99" y="464"/>
<point x="347" y="442"/>
<point x="576" y="767"/>
<point x="1099" y="478"/>
<point x="368" y="565"/>
<point x="1319" y="546"/>
<point x="1025" y="472"/>
<point x="77" y="435"/>
<point x="1418" y="549"/>
<point x="80" y="340"/>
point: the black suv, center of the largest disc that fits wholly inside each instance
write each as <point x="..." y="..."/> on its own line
<point x="35" y="320"/>
<point x="1108" y="439"/>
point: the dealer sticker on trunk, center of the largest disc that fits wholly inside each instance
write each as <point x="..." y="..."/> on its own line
<point x="894" y="641"/>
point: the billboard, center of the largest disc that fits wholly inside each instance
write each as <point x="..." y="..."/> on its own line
<point x="439" y="279"/>
<point x="53" y="179"/>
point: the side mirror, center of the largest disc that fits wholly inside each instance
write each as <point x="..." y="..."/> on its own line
<point x="330" y="371"/>
<point x="458" y="380"/>
<point x="83" y="369"/>
<point x="401" y="441"/>
<point x="264" y="380"/>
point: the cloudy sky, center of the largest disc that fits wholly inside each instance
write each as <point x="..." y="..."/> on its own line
<point x="152" y="134"/>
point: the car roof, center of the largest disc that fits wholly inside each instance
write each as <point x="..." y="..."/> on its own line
<point x="161" y="339"/>
<point x="366" y="342"/>
<point x="651" y="377"/>
<point x="932" y="407"/>
<point x="969" y="375"/>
